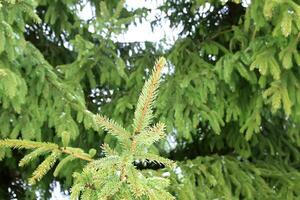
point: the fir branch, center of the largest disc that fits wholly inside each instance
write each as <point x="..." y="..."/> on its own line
<point x="119" y="8"/>
<point x="158" y="182"/>
<point x="77" y="154"/>
<point x="57" y="83"/>
<point x="137" y="183"/>
<point x="108" y="151"/>
<point x="148" y="137"/>
<point x="100" y="172"/>
<point x="33" y="155"/>
<point x="159" y="194"/>
<point x="143" y="112"/>
<point x="104" y="163"/>
<point x="28" y="9"/>
<point x="110" y="187"/>
<point x="113" y="128"/>
<point x="44" y="167"/>
<point x="75" y="191"/>
<point x="62" y="163"/>
<point x="26" y="144"/>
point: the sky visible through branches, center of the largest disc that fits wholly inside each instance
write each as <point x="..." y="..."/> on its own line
<point x="136" y="33"/>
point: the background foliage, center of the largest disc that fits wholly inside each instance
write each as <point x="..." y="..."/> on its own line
<point x="230" y="97"/>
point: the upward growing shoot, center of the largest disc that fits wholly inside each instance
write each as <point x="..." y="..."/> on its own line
<point x="114" y="176"/>
<point x="143" y="112"/>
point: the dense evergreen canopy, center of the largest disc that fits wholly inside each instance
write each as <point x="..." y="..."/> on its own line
<point x="229" y="97"/>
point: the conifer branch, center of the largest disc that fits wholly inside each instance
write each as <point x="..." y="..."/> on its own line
<point x="106" y="176"/>
<point x="57" y="83"/>
<point x="26" y="144"/>
<point x="108" y="151"/>
<point x="82" y="156"/>
<point x="143" y="112"/>
<point x="75" y="191"/>
<point x="44" y="167"/>
<point x="33" y="155"/>
<point x="113" y="128"/>
<point x="105" y="162"/>
<point x="136" y="185"/>
<point x="153" y="134"/>
<point x="62" y="163"/>
<point x="42" y="147"/>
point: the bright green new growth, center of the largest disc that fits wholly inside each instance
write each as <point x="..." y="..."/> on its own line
<point x="115" y="175"/>
<point x="42" y="148"/>
<point x="143" y="113"/>
<point x="44" y="167"/>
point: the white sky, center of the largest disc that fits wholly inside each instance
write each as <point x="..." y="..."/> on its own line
<point x="142" y="32"/>
<point x="57" y="194"/>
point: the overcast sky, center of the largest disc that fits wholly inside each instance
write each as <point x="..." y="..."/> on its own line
<point x="142" y="32"/>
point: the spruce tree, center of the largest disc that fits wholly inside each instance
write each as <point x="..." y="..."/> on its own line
<point x="229" y="98"/>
